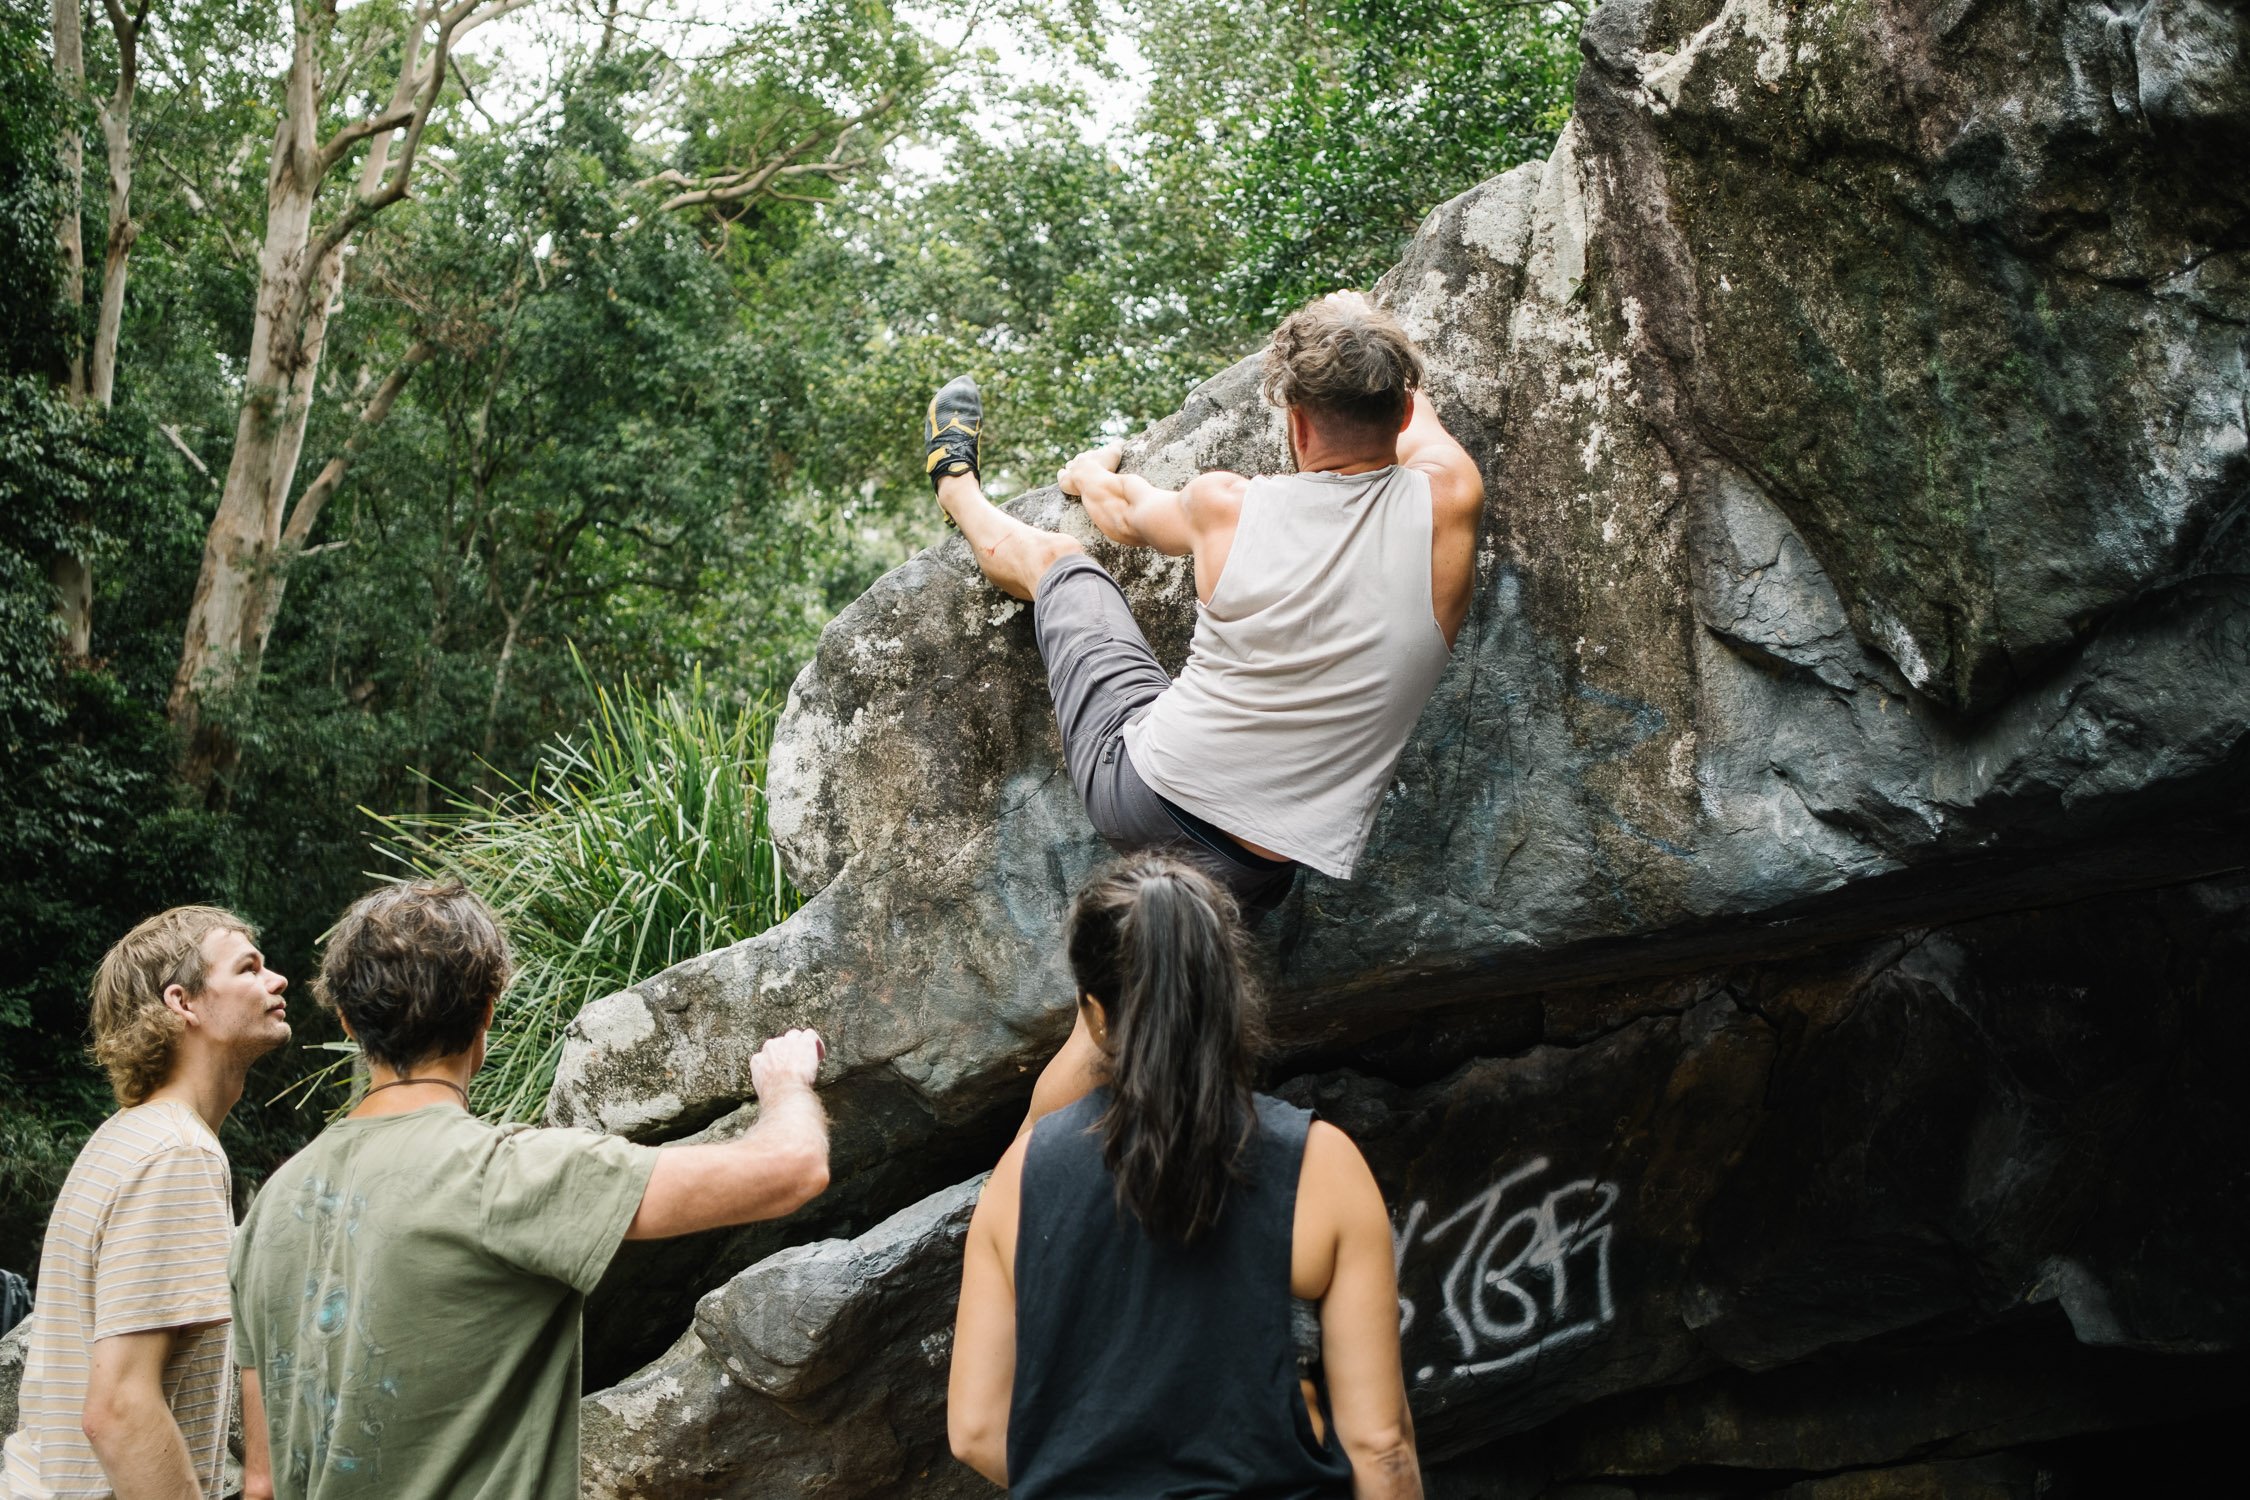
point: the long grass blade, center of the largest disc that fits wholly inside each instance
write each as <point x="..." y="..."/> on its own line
<point x="641" y="843"/>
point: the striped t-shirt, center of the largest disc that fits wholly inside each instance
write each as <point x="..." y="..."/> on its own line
<point x="138" y="1241"/>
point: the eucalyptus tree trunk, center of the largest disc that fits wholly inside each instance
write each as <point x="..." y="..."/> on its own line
<point x="91" y="377"/>
<point x="73" y="582"/>
<point x="117" y="139"/>
<point x="70" y="77"/>
<point x="253" y="538"/>
<point x="285" y="339"/>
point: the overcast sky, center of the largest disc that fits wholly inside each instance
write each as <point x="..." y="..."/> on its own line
<point x="527" y="48"/>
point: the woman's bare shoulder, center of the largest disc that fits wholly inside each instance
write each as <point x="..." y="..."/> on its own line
<point x="1004" y="1186"/>
<point x="1336" y="1178"/>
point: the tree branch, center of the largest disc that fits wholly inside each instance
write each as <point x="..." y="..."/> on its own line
<point x="417" y="91"/>
<point x="69" y="43"/>
<point x="306" y="513"/>
<point x="348" y="136"/>
<point x="737" y="183"/>
<point x="171" y="432"/>
<point x="127" y="28"/>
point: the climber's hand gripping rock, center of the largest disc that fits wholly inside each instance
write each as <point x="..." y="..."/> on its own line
<point x="1074" y="476"/>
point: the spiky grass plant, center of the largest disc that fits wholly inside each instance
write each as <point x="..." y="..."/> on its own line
<point x="637" y="844"/>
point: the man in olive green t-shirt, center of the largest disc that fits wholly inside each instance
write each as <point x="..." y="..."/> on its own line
<point x="408" y="1288"/>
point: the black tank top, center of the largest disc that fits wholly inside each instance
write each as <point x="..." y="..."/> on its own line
<point x="1149" y="1370"/>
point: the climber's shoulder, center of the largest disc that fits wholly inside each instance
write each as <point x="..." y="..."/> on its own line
<point x="1456" y="484"/>
<point x="1213" y="498"/>
<point x="1333" y="1171"/>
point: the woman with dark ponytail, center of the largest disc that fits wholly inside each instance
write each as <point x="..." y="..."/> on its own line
<point x="1127" y="1286"/>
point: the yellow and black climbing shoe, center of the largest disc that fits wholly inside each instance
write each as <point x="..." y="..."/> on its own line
<point x="950" y="431"/>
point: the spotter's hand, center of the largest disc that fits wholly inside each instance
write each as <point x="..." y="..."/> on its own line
<point x="789" y="1061"/>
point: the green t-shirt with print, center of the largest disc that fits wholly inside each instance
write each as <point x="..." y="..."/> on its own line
<point x="409" y="1289"/>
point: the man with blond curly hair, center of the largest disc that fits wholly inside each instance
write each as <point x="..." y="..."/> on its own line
<point x="125" y="1388"/>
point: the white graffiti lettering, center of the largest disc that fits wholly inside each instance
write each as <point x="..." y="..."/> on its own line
<point x="1519" y="1283"/>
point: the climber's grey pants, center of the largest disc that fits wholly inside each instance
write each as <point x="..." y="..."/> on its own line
<point x="1100" y="672"/>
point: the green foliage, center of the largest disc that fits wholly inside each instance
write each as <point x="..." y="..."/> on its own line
<point x="1029" y="261"/>
<point x="54" y="466"/>
<point x="579" y="464"/>
<point x="1307" y="140"/>
<point x="84" y="767"/>
<point x="635" y="845"/>
<point x="91" y="836"/>
<point x="37" y="1147"/>
<point x="32" y="113"/>
<point x="1282" y="151"/>
<point x="1404" y="104"/>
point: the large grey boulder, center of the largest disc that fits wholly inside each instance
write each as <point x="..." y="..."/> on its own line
<point x="818" y="1372"/>
<point x="1864" y="400"/>
<point x="1861" y="395"/>
<point x="1921" y="1174"/>
<point x="14" y="1345"/>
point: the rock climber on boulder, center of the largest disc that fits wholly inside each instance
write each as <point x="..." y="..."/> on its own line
<point x="1328" y="601"/>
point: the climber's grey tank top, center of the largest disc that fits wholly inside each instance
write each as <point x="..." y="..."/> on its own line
<point x="1146" y="1369"/>
<point x="1308" y="668"/>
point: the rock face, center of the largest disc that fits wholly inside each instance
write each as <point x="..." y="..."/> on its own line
<point x="1741" y="1169"/>
<point x="1863" y="392"/>
<point x="13" y="1347"/>
<point x="1888" y="1171"/>
<point x="819" y="1371"/>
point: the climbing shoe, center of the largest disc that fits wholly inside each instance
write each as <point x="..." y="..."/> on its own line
<point x="949" y="432"/>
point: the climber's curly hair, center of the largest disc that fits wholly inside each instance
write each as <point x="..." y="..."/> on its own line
<point x="1344" y="361"/>
<point x="134" y="1031"/>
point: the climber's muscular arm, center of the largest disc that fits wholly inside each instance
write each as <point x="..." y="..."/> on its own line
<point x="1456" y="506"/>
<point x="778" y="1166"/>
<point x="1125" y="507"/>
<point x="1198" y="519"/>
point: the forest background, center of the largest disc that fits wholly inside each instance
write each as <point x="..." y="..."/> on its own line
<point x="432" y="435"/>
